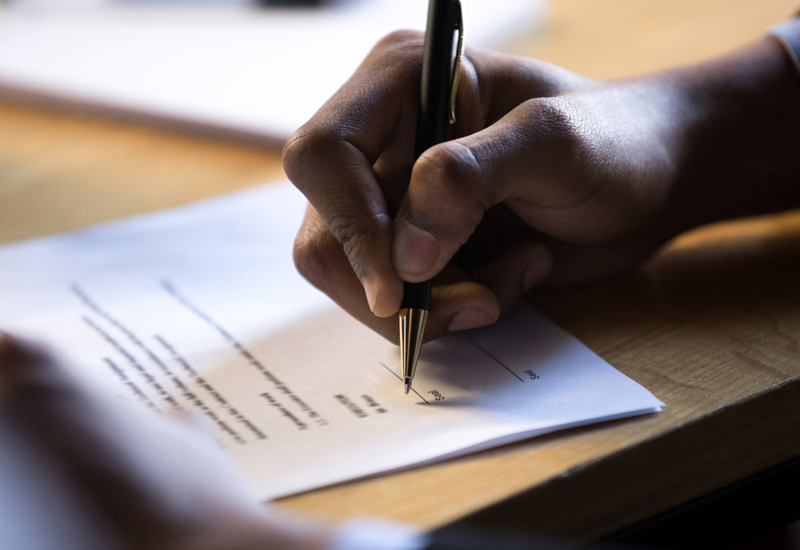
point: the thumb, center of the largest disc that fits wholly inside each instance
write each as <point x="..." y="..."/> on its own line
<point x="454" y="183"/>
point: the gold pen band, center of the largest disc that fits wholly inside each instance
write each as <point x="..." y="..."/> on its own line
<point x="412" y="327"/>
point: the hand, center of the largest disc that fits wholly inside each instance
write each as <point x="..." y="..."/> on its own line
<point x="154" y="482"/>
<point x="550" y="178"/>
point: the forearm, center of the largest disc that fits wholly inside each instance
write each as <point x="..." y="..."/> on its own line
<point x="740" y="152"/>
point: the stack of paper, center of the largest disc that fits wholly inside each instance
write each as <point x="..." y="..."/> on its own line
<point x="200" y="307"/>
<point x="245" y="73"/>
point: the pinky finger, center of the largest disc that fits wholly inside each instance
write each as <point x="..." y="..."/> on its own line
<point x="513" y="272"/>
<point x="460" y="306"/>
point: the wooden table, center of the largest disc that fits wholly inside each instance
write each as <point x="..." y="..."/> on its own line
<point x="711" y="325"/>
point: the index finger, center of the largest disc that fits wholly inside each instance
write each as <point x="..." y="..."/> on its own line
<point x="331" y="160"/>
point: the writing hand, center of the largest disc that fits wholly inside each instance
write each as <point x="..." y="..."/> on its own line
<point x="549" y="178"/>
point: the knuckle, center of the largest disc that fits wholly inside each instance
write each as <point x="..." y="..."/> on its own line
<point x="454" y="180"/>
<point x="561" y="120"/>
<point x="398" y="54"/>
<point x="299" y="152"/>
<point x="354" y="236"/>
<point x="571" y="145"/>
<point x="457" y="163"/>
<point x="316" y="249"/>
<point x="453" y="167"/>
<point x="312" y="257"/>
<point x="399" y="40"/>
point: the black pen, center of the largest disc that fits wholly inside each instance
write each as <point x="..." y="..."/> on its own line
<point x="441" y="64"/>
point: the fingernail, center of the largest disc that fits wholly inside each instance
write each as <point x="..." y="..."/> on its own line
<point x="469" y="318"/>
<point x="415" y="250"/>
<point x="538" y="268"/>
<point x="371" y="290"/>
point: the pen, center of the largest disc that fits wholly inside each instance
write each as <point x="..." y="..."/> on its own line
<point x="441" y="64"/>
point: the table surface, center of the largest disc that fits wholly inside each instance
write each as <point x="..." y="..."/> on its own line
<point x="711" y="325"/>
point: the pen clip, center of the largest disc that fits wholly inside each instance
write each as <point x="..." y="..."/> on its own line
<point x="458" y="25"/>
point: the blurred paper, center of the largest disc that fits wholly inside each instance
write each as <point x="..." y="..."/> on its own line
<point x="200" y="307"/>
<point x="248" y="74"/>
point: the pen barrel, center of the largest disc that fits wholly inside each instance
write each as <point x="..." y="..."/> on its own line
<point x="412" y="329"/>
<point x="417" y="295"/>
<point x="432" y="119"/>
<point x="437" y="67"/>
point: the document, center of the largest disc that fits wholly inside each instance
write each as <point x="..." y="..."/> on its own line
<point x="200" y="307"/>
<point x="249" y="74"/>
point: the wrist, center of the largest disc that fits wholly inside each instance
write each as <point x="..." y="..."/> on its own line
<point x="740" y="137"/>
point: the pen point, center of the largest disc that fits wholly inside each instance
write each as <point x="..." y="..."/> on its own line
<point x="412" y="326"/>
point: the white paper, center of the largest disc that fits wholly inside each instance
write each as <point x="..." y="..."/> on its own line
<point x="245" y="73"/>
<point x="201" y="307"/>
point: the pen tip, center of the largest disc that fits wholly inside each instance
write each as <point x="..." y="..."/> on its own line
<point x="407" y="385"/>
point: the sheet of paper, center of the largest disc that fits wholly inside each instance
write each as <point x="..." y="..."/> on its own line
<point x="201" y="307"/>
<point x="246" y="73"/>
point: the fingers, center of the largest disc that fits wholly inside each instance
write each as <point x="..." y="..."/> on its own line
<point x="515" y="271"/>
<point x="456" y="306"/>
<point x="540" y="160"/>
<point x="460" y="306"/>
<point x="321" y="259"/>
<point x="353" y="159"/>
<point x="331" y="159"/>
<point x="507" y="81"/>
<point x="450" y="191"/>
<point x="451" y="187"/>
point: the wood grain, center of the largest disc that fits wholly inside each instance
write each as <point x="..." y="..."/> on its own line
<point x="711" y="325"/>
<point x="63" y="171"/>
<point x="621" y="38"/>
